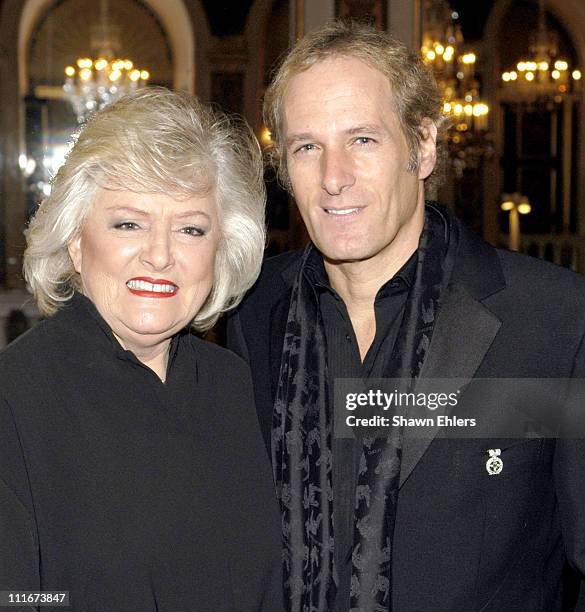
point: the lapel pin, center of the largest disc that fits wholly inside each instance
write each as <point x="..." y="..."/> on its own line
<point x="494" y="465"/>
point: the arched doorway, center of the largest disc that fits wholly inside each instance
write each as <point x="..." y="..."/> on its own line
<point x="54" y="34"/>
<point x="539" y="143"/>
<point x="172" y="16"/>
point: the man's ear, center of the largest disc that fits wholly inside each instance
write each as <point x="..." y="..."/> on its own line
<point x="427" y="152"/>
<point x="74" y="248"/>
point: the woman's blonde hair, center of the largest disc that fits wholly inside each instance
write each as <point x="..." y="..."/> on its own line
<point x="155" y="141"/>
<point x="414" y="88"/>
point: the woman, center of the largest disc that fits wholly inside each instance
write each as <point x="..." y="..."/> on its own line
<point x="132" y="471"/>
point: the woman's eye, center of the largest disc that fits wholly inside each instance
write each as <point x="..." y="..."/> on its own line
<point x="127" y="225"/>
<point x="192" y="230"/>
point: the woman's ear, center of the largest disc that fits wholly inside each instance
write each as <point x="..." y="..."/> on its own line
<point x="74" y="248"/>
<point x="427" y="152"/>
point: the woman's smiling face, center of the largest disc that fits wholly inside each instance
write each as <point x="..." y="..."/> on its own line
<point x="146" y="261"/>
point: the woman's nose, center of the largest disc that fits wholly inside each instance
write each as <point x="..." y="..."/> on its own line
<point x="157" y="252"/>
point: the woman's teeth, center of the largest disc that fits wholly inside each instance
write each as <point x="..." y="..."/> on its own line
<point x="140" y="285"/>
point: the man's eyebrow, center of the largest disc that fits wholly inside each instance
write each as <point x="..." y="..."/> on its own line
<point x="298" y="137"/>
<point x="370" y="128"/>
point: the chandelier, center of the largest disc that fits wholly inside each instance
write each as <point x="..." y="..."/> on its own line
<point x="93" y="83"/>
<point x="543" y="74"/>
<point x="443" y="49"/>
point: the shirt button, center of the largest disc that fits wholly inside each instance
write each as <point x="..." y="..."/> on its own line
<point x="348" y="337"/>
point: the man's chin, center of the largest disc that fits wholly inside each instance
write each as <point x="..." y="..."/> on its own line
<point x="345" y="256"/>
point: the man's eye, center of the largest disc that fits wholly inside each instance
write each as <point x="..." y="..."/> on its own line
<point x="364" y="140"/>
<point x="127" y="225"/>
<point x="305" y="148"/>
<point x="192" y="230"/>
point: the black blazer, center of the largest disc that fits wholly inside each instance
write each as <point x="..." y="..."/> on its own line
<point x="465" y="540"/>
<point x="129" y="493"/>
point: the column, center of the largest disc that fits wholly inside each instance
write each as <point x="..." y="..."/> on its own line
<point x="308" y="15"/>
<point x="405" y="21"/>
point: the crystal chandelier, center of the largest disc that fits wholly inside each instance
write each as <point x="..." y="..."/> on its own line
<point x="93" y="83"/>
<point x="443" y="49"/>
<point x="543" y="74"/>
<point x="454" y="67"/>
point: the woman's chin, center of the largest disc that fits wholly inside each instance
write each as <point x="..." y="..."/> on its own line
<point x="136" y="333"/>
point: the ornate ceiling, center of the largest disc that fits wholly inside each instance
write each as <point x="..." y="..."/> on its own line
<point x="64" y="34"/>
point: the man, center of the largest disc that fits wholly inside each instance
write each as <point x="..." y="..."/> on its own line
<point x="391" y="288"/>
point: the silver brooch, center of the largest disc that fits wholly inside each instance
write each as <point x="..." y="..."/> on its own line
<point x="494" y="465"/>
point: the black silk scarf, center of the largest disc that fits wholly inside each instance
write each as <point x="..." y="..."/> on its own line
<point x="302" y="440"/>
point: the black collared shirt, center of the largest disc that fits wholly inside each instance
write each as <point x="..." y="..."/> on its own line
<point x="344" y="361"/>
<point x="129" y="493"/>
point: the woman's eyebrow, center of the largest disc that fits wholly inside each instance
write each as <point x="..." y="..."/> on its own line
<point x="130" y="209"/>
<point x="192" y="213"/>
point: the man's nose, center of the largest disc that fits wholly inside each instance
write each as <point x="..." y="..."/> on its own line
<point x="337" y="171"/>
<point x="157" y="252"/>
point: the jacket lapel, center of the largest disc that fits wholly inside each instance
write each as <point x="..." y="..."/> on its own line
<point x="278" y="318"/>
<point x="464" y="331"/>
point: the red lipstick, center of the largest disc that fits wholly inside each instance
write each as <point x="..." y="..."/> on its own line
<point x="145" y="286"/>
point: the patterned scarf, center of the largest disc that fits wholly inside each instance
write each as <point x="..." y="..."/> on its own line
<point x="302" y="432"/>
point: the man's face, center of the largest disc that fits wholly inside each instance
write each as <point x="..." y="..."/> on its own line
<point x="347" y="159"/>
